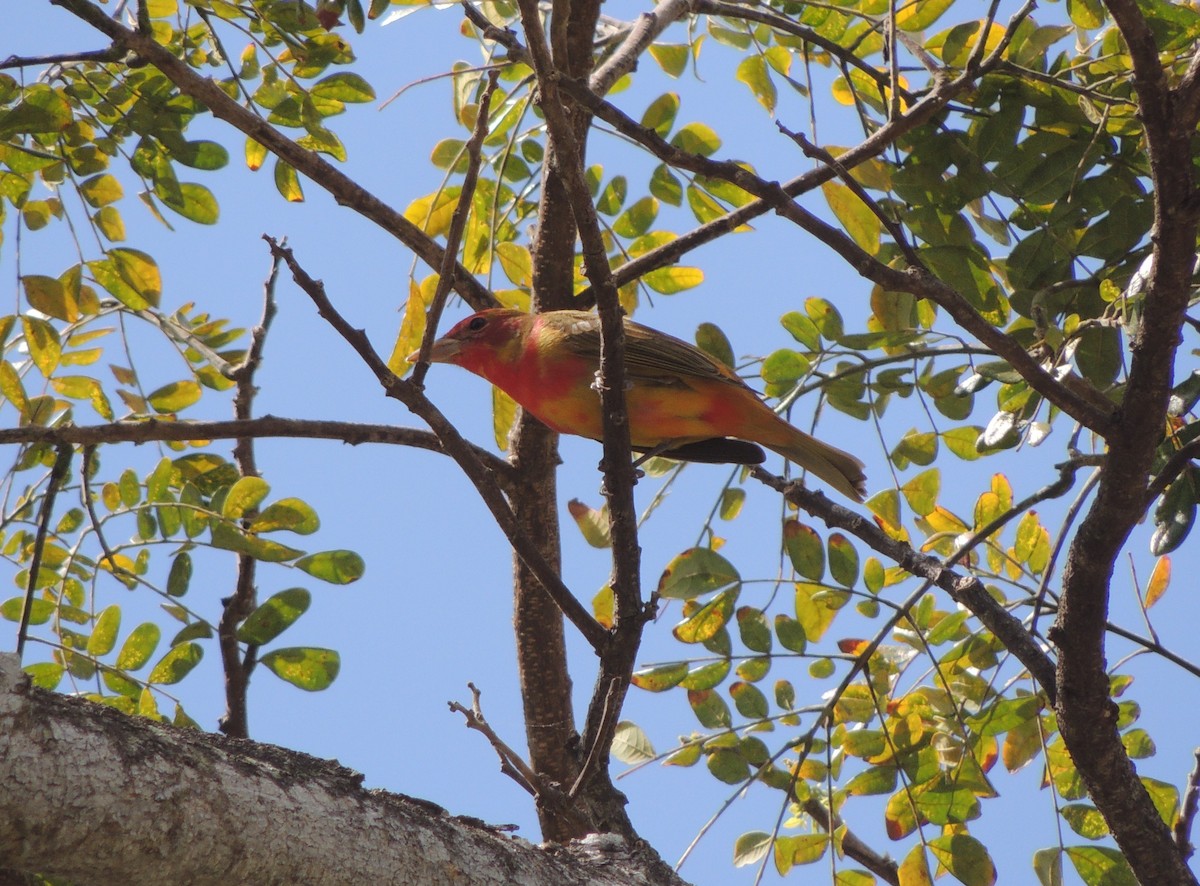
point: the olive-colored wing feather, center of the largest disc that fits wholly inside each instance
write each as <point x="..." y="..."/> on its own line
<point x="651" y="356"/>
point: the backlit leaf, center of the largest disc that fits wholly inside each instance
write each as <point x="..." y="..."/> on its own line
<point x="309" y="668"/>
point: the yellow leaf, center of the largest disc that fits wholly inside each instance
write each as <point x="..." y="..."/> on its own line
<point x="1159" y="579"/>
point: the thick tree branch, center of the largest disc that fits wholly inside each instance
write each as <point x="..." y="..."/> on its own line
<point x="454" y="446"/>
<point x="618" y="659"/>
<point x="341" y="187"/>
<point x="1087" y="716"/>
<point x="238" y="606"/>
<point x="203" y="809"/>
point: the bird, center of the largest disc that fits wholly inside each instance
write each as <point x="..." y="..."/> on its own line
<point x="681" y="403"/>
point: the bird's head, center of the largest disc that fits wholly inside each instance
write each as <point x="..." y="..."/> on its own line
<point x="483" y="340"/>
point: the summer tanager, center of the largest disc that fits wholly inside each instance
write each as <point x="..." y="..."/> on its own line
<point x="682" y="403"/>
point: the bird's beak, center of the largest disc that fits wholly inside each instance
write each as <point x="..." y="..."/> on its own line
<point x="444" y="350"/>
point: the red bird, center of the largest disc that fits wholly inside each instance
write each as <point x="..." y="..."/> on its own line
<point x="682" y="403"/>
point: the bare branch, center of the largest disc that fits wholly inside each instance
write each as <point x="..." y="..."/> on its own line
<point x="57" y="473"/>
<point x="511" y="763"/>
<point x="1187" y="815"/>
<point x="100" y="56"/>
<point x="153" y="430"/>
<point x="618" y="659"/>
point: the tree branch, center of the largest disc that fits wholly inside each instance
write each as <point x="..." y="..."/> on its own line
<point x="208" y="810"/>
<point x="153" y="430"/>
<point x="619" y="657"/>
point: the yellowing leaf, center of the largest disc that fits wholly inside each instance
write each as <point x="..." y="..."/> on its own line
<point x="1159" y="579"/>
<point x="863" y="226"/>
<point x="287" y="182"/>
<point x="176" y="396"/>
<point x="752" y="71"/>
<point x="308" y="668"/>
<point x="44" y="346"/>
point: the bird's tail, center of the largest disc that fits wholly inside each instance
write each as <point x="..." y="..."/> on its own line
<point x="839" y="469"/>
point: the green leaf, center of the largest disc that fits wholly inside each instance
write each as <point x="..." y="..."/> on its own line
<point x="104" y="634"/>
<point x="673" y="279"/>
<point x="1101" y="866"/>
<point x="966" y="858"/>
<point x="696" y="138"/>
<point x="306" y="667"/>
<point x="753" y="71"/>
<point x="274" y="616"/>
<point x="343" y="87"/>
<point x="1175" y="514"/>
<point x="40" y="611"/>
<point x="230" y="537"/>
<point x="176" y="664"/>
<point x="863" y="226"/>
<point x="180" y="575"/>
<point x="593" y="523"/>
<point x="750" y="701"/>
<point x="784" y="367"/>
<point x="42" y="109"/>
<point x="661" y="678"/>
<point x="631" y="745"/>
<point x="671" y="57"/>
<point x="175" y="397"/>
<point x="1085" y="820"/>
<point x="666" y="186"/>
<point x="694" y="572"/>
<point x="287" y="182"/>
<point x="751" y="848"/>
<point x="100" y="190"/>
<point x="637" y="219"/>
<point x="243" y="496"/>
<point x="1047" y="863"/>
<point x="710" y="709"/>
<point x="43" y="343"/>
<point x="754" y="629"/>
<point x="843" y="560"/>
<point x="660" y="116"/>
<point x="335" y="567"/>
<point x="728" y="766"/>
<point x="138" y="271"/>
<point x="194" y="202"/>
<point x="790" y="633"/>
<point x="291" y="514"/>
<point x="711" y="340"/>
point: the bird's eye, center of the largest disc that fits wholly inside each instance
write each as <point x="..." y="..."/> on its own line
<point x="477" y="324"/>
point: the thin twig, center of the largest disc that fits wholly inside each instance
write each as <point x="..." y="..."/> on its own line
<point x="511" y="763"/>
<point x="61" y="463"/>
<point x="612" y="706"/>
<point x="458" y="223"/>
<point x="1187" y="815"/>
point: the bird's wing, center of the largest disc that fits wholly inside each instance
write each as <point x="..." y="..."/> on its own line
<point x="651" y="356"/>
